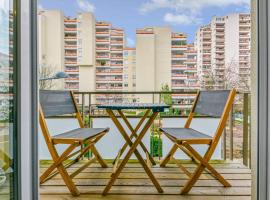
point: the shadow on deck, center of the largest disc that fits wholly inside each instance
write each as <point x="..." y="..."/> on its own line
<point x="134" y="184"/>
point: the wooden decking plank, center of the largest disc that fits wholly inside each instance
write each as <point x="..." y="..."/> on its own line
<point x="208" y="191"/>
<point x="103" y="175"/>
<point x="137" y="165"/>
<point x="142" y="197"/>
<point x="159" y="170"/>
<point x="145" y="182"/>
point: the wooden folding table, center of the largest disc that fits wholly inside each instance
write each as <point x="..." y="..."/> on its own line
<point x="151" y="112"/>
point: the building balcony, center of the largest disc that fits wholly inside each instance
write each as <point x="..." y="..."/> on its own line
<point x="70" y="62"/>
<point x="103" y="25"/>
<point x="103" y="57"/>
<point x="100" y="41"/>
<point x="177" y="66"/>
<point x="70" y="30"/>
<point x="72" y="21"/>
<point x="117" y="35"/>
<point x="72" y="71"/>
<point x="102" y="33"/>
<point x="191" y="61"/>
<point x="72" y="47"/>
<point x="117" y="43"/>
<point x="116" y="65"/>
<point x="68" y="55"/>
<point x="116" y="57"/>
<point x="102" y="49"/>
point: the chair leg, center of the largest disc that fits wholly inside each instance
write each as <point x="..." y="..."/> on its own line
<point x="168" y="156"/>
<point x="98" y="157"/>
<point x="68" y="181"/>
<point x="193" y="179"/>
<point x="205" y="163"/>
<point x="60" y="159"/>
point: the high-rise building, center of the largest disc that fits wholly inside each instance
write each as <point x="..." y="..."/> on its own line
<point x="110" y="42"/>
<point x="165" y="58"/>
<point x="203" y="47"/>
<point x="223" y="52"/>
<point x="89" y="51"/>
<point x="237" y="40"/>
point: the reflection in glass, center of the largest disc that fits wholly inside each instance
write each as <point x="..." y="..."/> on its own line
<point x="6" y="99"/>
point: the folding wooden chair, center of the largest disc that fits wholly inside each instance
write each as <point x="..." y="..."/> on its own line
<point x="57" y="103"/>
<point x="207" y="103"/>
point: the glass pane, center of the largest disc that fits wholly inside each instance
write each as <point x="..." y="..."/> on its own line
<point x="6" y="100"/>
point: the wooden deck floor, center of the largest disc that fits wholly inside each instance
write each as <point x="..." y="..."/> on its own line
<point x="134" y="184"/>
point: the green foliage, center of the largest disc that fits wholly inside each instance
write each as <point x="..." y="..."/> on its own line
<point x="156" y="145"/>
<point x="166" y="98"/>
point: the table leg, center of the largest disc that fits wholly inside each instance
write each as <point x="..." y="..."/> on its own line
<point x="122" y="150"/>
<point x="132" y="150"/>
<point x="134" y="134"/>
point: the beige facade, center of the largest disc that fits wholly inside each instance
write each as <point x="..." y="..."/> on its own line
<point x="153" y="60"/>
<point x="51" y="42"/>
<point x="86" y="51"/>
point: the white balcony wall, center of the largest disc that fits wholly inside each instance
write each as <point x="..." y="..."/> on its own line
<point x="110" y="144"/>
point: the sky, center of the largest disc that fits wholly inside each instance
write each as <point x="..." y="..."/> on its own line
<point x="181" y="15"/>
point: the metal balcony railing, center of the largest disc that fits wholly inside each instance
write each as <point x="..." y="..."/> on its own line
<point x="236" y="138"/>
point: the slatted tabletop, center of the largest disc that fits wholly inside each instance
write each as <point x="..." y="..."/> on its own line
<point x="155" y="107"/>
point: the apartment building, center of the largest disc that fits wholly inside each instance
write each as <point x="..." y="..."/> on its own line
<point x="110" y="43"/>
<point x="238" y="40"/>
<point x="203" y="45"/>
<point x="164" y="57"/>
<point x="183" y="67"/>
<point x="89" y="51"/>
<point x="223" y="52"/>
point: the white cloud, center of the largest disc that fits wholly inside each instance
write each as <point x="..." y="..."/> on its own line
<point x="181" y="19"/>
<point x="188" y="10"/>
<point x="85" y="5"/>
<point x="189" y="5"/>
<point x="130" y="42"/>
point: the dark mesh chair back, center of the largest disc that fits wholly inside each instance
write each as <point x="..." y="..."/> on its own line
<point x="212" y="103"/>
<point x="56" y="102"/>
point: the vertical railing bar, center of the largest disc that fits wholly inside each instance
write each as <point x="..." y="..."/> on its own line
<point x="231" y="125"/>
<point x="82" y="108"/>
<point x="89" y="110"/>
<point x="245" y="130"/>
<point x="249" y="129"/>
<point x="224" y="145"/>
<point x="159" y="138"/>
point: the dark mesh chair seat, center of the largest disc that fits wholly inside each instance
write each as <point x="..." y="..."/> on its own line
<point x="185" y="134"/>
<point x="80" y="134"/>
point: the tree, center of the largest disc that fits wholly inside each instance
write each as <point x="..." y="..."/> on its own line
<point x="46" y="71"/>
<point x="166" y="98"/>
<point x="230" y="79"/>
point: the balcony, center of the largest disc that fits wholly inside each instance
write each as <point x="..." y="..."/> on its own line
<point x="230" y="160"/>
<point x="102" y="41"/>
<point x="102" y="33"/>
<point x="70" y="30"/>
<point x="71" y="47"/>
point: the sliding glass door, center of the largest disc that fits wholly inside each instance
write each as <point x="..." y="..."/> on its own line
<point x="8" y="166"/>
